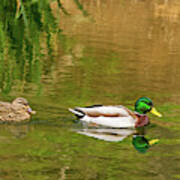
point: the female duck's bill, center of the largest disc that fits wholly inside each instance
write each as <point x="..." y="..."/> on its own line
<point x="30" y="111"/>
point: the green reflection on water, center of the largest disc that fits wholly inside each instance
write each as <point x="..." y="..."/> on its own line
<point x="27" y="29"/>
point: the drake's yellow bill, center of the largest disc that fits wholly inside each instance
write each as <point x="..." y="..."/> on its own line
<point x="153" y="141"/>
<point x="155" y="112"/>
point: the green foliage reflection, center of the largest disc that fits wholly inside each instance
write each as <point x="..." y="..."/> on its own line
<point x="26" y="32"/>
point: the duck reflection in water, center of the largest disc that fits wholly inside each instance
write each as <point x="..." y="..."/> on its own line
<point x="139" y="141"/>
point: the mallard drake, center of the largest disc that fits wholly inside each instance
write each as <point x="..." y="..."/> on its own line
<point x="117" y="116"/>
<point x="16" y="111"/>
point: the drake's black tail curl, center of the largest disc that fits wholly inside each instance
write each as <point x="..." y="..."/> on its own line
<point x="78" y="113"/>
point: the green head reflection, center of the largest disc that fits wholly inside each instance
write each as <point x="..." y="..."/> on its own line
<point x="142" y="144"/>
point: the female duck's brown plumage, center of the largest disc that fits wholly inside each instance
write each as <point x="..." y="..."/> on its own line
<point x="16" y="111"/>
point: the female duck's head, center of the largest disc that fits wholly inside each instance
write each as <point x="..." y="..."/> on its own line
<point x="22" y="104"/>
<point x="144" y="105"/>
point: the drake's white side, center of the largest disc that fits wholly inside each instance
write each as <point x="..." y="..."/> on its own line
<point x="114" y="122"/>
<point x="107" y="134"/>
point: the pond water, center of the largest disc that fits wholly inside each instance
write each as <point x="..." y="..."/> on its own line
<point x="61" y="54"/>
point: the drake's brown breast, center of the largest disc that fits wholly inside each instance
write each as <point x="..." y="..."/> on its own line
<point x="142" y="120"/>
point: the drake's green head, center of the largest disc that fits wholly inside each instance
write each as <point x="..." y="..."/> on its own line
<point x="144" y="105"/>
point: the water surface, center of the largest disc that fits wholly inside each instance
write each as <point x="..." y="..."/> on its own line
<point x="77" y="53"/>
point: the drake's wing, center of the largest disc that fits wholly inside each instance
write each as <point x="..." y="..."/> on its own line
<point x="107" y="111"/>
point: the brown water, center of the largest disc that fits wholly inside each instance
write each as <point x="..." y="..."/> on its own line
<point x="137" y="39"/>
<point x="95" y="52"/>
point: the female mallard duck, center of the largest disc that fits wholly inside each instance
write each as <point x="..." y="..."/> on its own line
<point x="117" y="116"/>
<point x="16" y="111"/>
